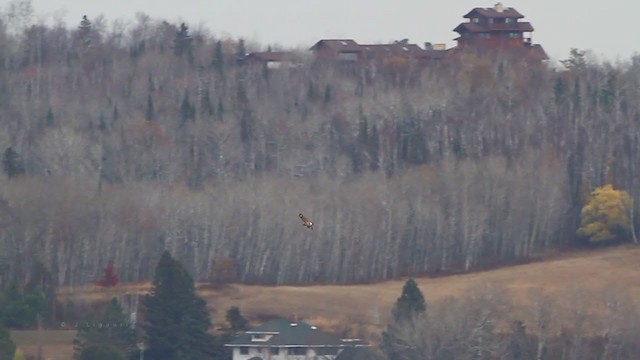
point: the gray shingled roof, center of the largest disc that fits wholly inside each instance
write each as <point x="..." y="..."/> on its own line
<point x="507" y="12"/>
<point x="286" y="333"/>
<point x="340" y="45"/>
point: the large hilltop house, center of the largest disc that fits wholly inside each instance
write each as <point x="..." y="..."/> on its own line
<point x="498" y="30"/>
<point x="281" y="339"/>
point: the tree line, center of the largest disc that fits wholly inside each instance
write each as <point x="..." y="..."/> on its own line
<point x="486" y="323"/>
<point x="174" y="323"/>
<point x="120" y="141"/>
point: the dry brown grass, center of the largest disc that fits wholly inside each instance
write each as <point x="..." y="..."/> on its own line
<point x="54" y="344"/>
<point x="363" y="310"/>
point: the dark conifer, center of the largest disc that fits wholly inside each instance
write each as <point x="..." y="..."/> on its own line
<point x="176" y="320"/>
<point x="12" y="163"/>
<point x="410" y="304"/>
<point x="151" y="114"/>
<point x="182" y="43"/>
<point x="109" y="336"/>
<point x="7" y="346"/>
<point x="237" y="322"/>
<point x="409" y="307"/>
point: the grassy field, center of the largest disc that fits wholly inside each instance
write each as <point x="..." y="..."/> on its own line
<point x="362" y="310"/>
<point x="53" y="345"/>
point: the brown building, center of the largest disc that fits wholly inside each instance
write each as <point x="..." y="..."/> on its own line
<point x="342" y="50"/>
<point x="347" y="51"/>
<point x="498" y="30"/>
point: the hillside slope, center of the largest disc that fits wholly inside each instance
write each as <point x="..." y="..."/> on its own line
<point x="364" y="309"/>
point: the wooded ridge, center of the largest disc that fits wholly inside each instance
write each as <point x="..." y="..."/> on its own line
<point x="121" y="142"/>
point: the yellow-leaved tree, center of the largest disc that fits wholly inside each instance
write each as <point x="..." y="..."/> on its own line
<point x="607" y="215"/>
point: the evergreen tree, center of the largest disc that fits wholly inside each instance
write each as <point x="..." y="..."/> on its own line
<point x="151" y="114"/>
<point x="21" y="308"/>
<point x="218" y="58"/>
<point x="109" y="336"/>
<point x="7" y="346"/>
<point x="577" y="60"/>
<point x="84" y="31"/>
<point x="241" y="51"/>
<point x="102" y="123"/>
<point x="41" y="283"/>
<point x="187" y="109"/>
<point x="559" y="91"/>
<point x="311" y="91"/>
<point x="237" y="322"/>
<point x="519" y="346"/>
<point x="12" y="163"/>
<point x="410" y="304"/>
<point x="409" y="307"/>
<point x="49" y="118"/>
<point x="609" y="91"/>
<point x="182" y="43"/>
<point x="176" y="319"/>
<point x="327" y="94"/>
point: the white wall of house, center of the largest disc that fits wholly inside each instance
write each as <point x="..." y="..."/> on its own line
<point x="283" y="354"/>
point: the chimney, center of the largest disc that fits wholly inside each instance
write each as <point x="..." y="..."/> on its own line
<point x="499" y="7"/>
<point x="428" y="46"/>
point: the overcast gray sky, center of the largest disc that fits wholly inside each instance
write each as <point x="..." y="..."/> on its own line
<point x="609" y="28"/>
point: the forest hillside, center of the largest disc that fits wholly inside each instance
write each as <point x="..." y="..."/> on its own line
<point x="120" y="141"/>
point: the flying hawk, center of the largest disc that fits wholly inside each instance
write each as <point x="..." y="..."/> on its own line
<point x="306" y="222"/>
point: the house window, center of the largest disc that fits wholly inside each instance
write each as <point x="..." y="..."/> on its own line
<point x="509" y="20"/>
<point x="244" y="351"/>
<point x="475" y="20"/>
<point x="490" y="20"/>
<point x="275" y="351"/>
<point x="485" y="35"/>
<point x="327" y="351"/>
<point x="514" y="35"/>
<point x="259" y="337"/>
<point x="297" y="351"/>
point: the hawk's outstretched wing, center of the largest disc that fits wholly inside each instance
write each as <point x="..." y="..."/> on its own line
<point x="306" y="222"/>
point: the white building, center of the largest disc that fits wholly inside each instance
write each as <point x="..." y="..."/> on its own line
<point x="282" y="339"/>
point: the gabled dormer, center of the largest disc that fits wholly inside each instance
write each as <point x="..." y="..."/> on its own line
<point x="258" y="337"/>
<point x="282" y="339"/>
